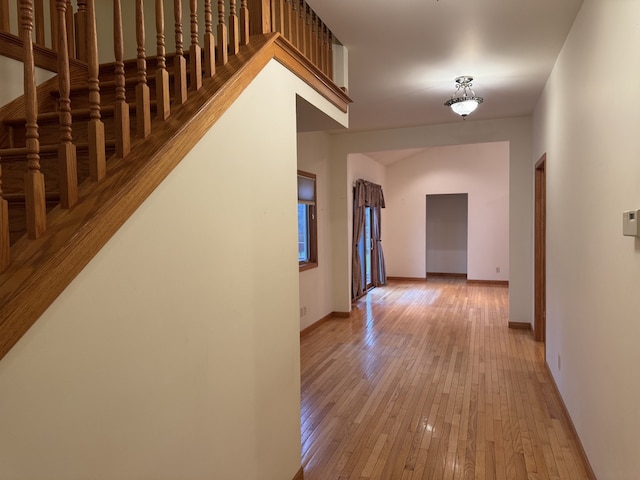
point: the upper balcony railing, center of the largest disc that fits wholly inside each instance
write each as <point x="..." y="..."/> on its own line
<point x="293" y="19"/>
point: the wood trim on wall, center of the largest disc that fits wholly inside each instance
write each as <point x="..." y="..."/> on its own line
<point x="307" y="330"/>
<point x="583" y="453"/>
<point x="520" y="325"/>
<point x="443" y="274"/>
<point x="299" y="475"/>
<point x="540" y="250"/>
<point x="500" y="283"/>
<point x="407" y="279"/>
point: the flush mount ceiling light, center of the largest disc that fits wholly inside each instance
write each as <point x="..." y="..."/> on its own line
<point x="464" y="100"/>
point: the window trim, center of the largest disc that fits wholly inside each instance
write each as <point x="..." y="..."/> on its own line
<point x="312" y="226"/>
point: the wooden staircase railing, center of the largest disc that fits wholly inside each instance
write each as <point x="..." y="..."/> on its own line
<point x="56" y="139"/>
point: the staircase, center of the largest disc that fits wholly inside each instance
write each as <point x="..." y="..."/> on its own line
<point x="85" y="198"/>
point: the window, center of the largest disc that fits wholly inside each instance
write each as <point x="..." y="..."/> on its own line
<point x="307" y="221"/>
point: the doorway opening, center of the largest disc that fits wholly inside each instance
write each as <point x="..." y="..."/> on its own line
<point x="447" y="220"/>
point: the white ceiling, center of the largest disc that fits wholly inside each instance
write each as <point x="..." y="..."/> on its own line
<point x="405" y="54"/>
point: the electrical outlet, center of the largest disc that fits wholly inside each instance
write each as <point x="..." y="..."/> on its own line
<point x="497" y="269"/>
<point x="559" y="362"/>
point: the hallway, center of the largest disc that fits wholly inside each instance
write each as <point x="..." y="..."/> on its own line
<point x="425" y="381"/>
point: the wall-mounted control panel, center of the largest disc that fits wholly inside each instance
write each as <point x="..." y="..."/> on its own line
<point x="631" y="223"/>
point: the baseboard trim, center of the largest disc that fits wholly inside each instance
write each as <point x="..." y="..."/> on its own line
<point x="572" y="427"/>
<point x="520" y="325"/>
<point x="299" y="475"/>
<point x="318" y="323"/>
<point x="499" y="283"/>
<point x="442" y="274"/>
<point x="407" y="279"/>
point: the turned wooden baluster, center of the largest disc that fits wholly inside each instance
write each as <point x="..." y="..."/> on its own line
<point x="97" y="152"/>
<point x="209" y="41"/>
<point x="234" y="34"/>
<point x="179" y="62"/>
<point x="324" y="49"/>
<point x="301" y="25"/>
<point x="70" y="28"/>
<point x="330" y="56"/>
<point x="143" y="100"/>
<point x="67" y="164"/>
<point x="244" y="23"/>
<point x="33" y="180"/>
<point x="294" y="23"/>
<point x="308" y="33"/>
<point x="162" y="75"/>
<point x="38" y="13"/>
<point x="287" y="20"/>
<point x="81" y="31"/>
<point x="223" y="39"/>
<point x="121" y="110"/>
<point x="5" y="23"/>
<point x="314" y="39"/>
<point x="5" y="241"/>
<point x="195" y="52"/>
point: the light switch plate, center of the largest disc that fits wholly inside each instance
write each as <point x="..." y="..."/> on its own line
<point x="631" y="223"/>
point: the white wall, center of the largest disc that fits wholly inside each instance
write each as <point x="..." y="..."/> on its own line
<point x="593" y="272"/>
<point x="11" y="75"/>
<point x="175" y="352"/>
<point x="482" y="171"/>
<point x="515" y="131"/>
<point x="446" y="233"/>
<point x="315" y="283"/>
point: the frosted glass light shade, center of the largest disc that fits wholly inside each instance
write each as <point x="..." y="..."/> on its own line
<point x="464" y="108"/>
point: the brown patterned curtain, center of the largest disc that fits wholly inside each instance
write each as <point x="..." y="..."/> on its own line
<point x="359" y="198"/>
<point x="367" y="194"/>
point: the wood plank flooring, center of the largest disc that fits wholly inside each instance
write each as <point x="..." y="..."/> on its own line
<point x="425" y="381"/>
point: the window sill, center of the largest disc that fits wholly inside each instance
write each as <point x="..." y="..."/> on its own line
<point x="307" y="266"/>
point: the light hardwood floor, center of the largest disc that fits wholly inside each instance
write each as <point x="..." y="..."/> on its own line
<point x="426" y="381"/>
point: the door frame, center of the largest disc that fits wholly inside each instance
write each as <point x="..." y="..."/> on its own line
<point x="540" y="252"/>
